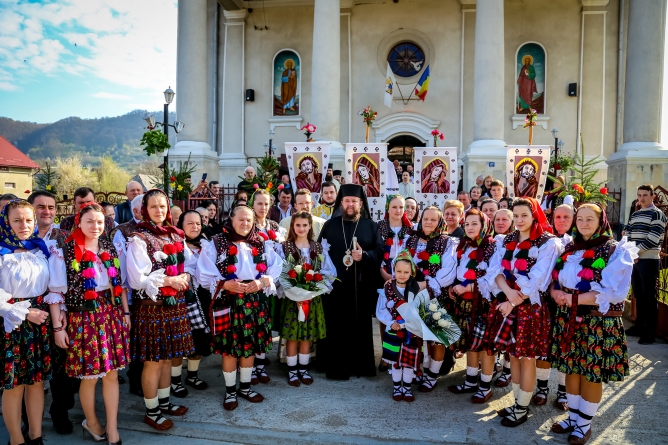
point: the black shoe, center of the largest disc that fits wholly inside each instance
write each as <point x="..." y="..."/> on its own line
<point x="647" y="340"/>
<point x="121" y="380"/>
<point x="62" y="425"/>
<point x="137" y="391"/>
<point x="633" y="331"/>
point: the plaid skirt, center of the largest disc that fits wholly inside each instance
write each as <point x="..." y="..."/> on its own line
<point x="161" y="332"/>
<point x="246" y="329"/>
<point x="26" y="351"/>
<point x="396" y="351"/>
<point x="473" y="330"/>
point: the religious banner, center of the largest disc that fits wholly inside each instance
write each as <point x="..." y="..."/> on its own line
<point x="526" y="170"/>
<point x="307" y="163"/>
<point x="366" y="165"/>
<point x="435" y="177"/>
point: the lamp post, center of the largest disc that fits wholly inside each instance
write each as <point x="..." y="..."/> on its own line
<point x="177" y="126"/>
<point x="555" y="133"/>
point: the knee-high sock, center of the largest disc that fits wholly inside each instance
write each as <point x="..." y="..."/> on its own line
<point x="230" y="382"/>
<point x="587" y="413"/>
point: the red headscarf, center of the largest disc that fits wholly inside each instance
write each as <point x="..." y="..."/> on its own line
<point x="167" y="227"/>
<point x="540" y="223"/>
<point x="77" y="235"/>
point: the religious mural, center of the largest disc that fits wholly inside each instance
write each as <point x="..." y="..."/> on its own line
<point x="530" y="79"/>
<point x="366" y="165"/>
<point x="526" y="171"/>
<point x="307" y="163"/>
<point x="287" y="77"/>
<point x="435" y="175"/>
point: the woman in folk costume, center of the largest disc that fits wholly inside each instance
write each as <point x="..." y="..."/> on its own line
<point x="519" y="322"/>
<point x="26" y="345"/>
<point x="240" y="272"/>
<point x="394" y="229"/>
<point x="159" y="269"/>
<point x="85" y="289"/>
<point x="401" y="349"/>
<point x="273" y="235"/>
<point x="198" y="300"/>
<point x="304" y="322"/>
<point x="434" y="254"/>
<point x="471" y="296"/>
<point x="591" y="282"/>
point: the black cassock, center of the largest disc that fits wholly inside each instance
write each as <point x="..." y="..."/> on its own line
<point x="348" y="349"/>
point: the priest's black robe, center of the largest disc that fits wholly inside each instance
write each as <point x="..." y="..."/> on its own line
<point x="348" y="348"/>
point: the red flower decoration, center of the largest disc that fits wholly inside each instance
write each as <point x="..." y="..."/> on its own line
<point x="389" y="241"/>
<point x="88" y="256"/>
<point x="172" y="178"/>
<point x="424" y="255"/>
<point x="511" y="245"/>
<point x="118" y="291"/>
<point x="473" y="255"/>
<point x="317" y="277"/>
<point x="104" y="256"/>
<point x="589" y="254"/>
<point x="264" y="236"/>
<point x="272" y="235"/>
<point x="231" y="268"/>
<point x="178" y="247"/>
<point x="169" y="249"/>
<point x="524" y="245"/>
<point x="254" y="251"/>
<point x="90" y="295"/>
<point x="604" y="191"/>
<point x="292" y="274"/>
<point x="233" y="250"/>
<point x="261" y="268"/>
<point x="386" y="256"/>
<point x="308" y="278"/>
<point x="307" y="267"/>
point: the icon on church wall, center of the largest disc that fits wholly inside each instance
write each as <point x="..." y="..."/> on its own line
<point x="527" y="171"/>
<point x="435" y="175"/>
<point x="367" y="173"/>
<point x="530" y="79"/>
<point x="287" y="79"/>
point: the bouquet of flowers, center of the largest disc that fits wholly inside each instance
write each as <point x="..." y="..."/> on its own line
<point x="369" y="115"/>
<point x="308" y="130"/>
<point x="301" y="282"/>
<point x="531" y="118"/>
<point x="428" y="320"/>
<point x="437" y="135"/>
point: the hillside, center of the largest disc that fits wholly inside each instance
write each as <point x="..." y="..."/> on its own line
<point x="117" y="137"/>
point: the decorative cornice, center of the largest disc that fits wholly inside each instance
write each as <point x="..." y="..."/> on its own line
<point x="595" y="2"/>
<point x="235" y="16"/>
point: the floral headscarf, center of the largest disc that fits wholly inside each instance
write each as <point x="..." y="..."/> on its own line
<point x="485" y="236"/>
<point x="405" y="255"/>
<point x="9" y="241"/>
<point x="438" y="231"/>
<point x="602" y="235"/>
<point x="167" y="227"/>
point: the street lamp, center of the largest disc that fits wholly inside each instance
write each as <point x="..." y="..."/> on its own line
<point x="555" y="134"/>
<point x="177" y="126"/>
<point x="271" y="140"/>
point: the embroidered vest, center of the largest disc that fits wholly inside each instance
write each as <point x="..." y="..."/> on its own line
<point x="438" y="248"/>
<point x="537" y="243"/>
<point x="75" y="280"/>
<point x="154" y="244"/>
<point x="222" y="245"/>
<point x="290" y="248"/>
<point x="394" y="297"/>
<point x="126" y="229"/>
<point x="487" y="255"/>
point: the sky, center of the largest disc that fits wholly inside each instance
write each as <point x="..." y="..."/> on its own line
<point x="86" y="58"/>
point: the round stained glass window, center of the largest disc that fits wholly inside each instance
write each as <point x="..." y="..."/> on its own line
<point x="406" y="59"/>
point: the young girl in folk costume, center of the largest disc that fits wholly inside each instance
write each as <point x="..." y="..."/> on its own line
<point x="471" y="296"/>
<point x="300" y="249"/>
<point x="402" y="350"/>
<point x="240" y="272"/>
<point x="434" y="254"/>
<point x="394" y="229"/>
<point x="198" y="301"/>
<point x="85" y="288"/>
<point x="159" y="268"/>
<point x="519" y="323"/>
<point x="273" y="235"/>
<point x="26" y="345"/>
<point x="592" y="279"/>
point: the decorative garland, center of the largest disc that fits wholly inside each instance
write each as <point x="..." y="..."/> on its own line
<point x="233" y="251"/>
<point x="389" y="240"/>
<point x="472" y="265"/>
<point x="174" y="266"/>
<point x="426" y="260"/>
<point x="521" y="263"/>
<point x="269" y="236"/>
<point x="586" y="274"/>
<point x="88" y="273"/>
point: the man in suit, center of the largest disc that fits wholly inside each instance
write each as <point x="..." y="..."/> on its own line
<point x="123" y="210"/>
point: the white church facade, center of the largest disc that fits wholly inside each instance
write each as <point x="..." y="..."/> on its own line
<point x="589" y="67"/>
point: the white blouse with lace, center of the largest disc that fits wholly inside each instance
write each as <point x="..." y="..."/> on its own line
<point x="208" y="275"/>
<point x="23" y="275"/>
<point x="138" y="265"/>
<point x="483" y="284"/>
<point x="615" y="277"/>
<point x="538" y="278"/>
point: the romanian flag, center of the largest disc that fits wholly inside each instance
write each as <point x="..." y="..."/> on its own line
<point x="423" y="85"/>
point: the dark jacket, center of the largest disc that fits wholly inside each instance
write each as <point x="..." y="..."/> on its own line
<point x="124" y="212"/>
<point x="275" y="213"/>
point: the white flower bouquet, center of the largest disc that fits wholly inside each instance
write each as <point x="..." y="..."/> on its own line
<point x="428" y="320"/>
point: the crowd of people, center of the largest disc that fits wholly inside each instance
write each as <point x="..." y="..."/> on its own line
<point x="147" y="286"/>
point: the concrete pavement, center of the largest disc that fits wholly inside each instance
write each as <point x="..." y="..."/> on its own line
<point x="361" y="411"/>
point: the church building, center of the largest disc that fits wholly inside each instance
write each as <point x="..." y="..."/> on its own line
<point x="251" y="71"/>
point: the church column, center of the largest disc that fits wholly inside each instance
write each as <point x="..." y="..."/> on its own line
<point x="487" y="153"/>
<point x="326" y="76"/>
<point x="233" y="158"/>
<point x="191" y="89"/>
<point x="641" y="159"/>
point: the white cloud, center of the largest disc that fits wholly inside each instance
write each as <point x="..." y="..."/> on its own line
<point x="126" y="42"/>
<point x="7" y="86"/>
<point x="105" y="95"/>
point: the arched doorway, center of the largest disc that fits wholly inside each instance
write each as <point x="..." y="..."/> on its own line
<point x="400" y="148"/>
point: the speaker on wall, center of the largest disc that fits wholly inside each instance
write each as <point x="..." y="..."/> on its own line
<point x="572" y="89"/>
<point x="250" y="95"/>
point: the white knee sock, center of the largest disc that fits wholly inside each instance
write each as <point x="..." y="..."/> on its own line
<point x="408" y="376"/>
<point x="245" y="375"/>
<point x="573" y="407"/>
<point x="561" y="378"/>
<point x="587" y="413"/>
<point x="304" y="358"/>
<point x="516" y="390"/>
<point x="396" y="374"/>
<point x="193" y="365"/>
<point x="485" y="383"/>
<point x="435" y="366"/>
<point x="176" y="371"/>
<point x="523" y="400"/>
<point x="291" y="360"/>
<point x="230" y="382"/>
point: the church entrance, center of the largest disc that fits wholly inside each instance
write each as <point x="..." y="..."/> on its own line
<point x="400" y="149"/>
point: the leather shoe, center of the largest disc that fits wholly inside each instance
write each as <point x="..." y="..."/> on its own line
<point x="456" y="389"/>
<point x="513" y="423"/>
<point x="478" y="399"/>
<point x="557" y="428"/>
<point x="254" y="398"/>
<point x="538" y="401"/>
<point x="633" y="331"/>
<point x="647" y="340"/>
<point x="165" y="425"/>
<point x="563" y="406"/>
<point x="575" y="440"/>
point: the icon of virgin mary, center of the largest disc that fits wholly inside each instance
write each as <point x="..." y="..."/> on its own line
<point x="367" y="175"/>
<point x="434" y="177"/>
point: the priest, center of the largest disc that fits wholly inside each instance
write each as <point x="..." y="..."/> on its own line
<point x="356" y="249"/>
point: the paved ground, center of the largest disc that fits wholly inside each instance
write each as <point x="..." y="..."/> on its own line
<point x="361" y="411"/>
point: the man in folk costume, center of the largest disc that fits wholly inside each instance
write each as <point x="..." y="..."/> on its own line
<point x="356" y="251"/>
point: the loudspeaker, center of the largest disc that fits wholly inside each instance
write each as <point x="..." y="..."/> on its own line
<point x="572" y="89"/>
<point x="250" y="95"/>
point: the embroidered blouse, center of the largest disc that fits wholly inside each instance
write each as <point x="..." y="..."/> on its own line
<point x="445" y="275"/>
<point x="615" y="281"/>
<point x="483" y="284"/>
<point x="383" y="314"/>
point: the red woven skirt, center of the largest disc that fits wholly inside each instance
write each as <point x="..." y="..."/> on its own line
<point x="161" y="332"/>
<point x="532" y="331"/>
